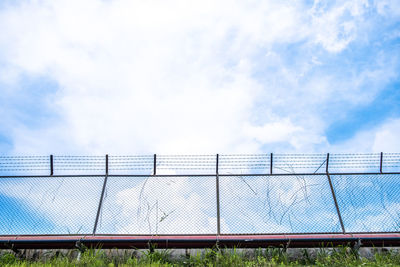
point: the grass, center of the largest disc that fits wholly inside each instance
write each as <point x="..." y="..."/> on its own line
<point x="342" y="256"/>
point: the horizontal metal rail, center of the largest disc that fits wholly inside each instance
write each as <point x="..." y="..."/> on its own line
<point x="197" y="241"/>
<point x="197" y="175"/>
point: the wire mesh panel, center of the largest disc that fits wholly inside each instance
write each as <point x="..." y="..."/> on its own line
<point x="277" y="204"/>
<point x="131" y="164"/>
<point x="79" y="165"/>
<point x="22" y="165"/>
<point x="354" y="162"/>
<point x="369" y="203"/>
<point x="186" y="164"/>
<point x="390" y="162"/>
<point x="48" y="205"/>
<point x="159" y="205"/>
<point x="245" y="164"/>
<point x="299" y="163"/>
<point x="200" y="164"/>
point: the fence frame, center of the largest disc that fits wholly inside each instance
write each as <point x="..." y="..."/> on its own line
<point x="217" y="175"/>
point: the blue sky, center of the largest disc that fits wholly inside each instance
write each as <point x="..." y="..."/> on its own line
<point x="194" y="77"/>
<point x="135" y="77"/>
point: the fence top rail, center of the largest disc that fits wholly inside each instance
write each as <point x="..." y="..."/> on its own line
<point x="206" y="155"/>
<point x="283" y="175"/>
<point x="268" y="163"/>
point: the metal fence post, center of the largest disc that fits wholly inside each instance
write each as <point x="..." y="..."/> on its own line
<point x="327" y="163"/>
<point x="270" y="165"/>
<point x="381" y="163"/>
<point x="101" y="197"/>
<point x="106" y="165"/>
<point x="155" y="164"/>
<point x="217" y="193"/>
<point x="333" y="194"/>
<point x="51" y="165"/>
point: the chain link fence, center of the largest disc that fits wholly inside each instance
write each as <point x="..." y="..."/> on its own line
<point x="48" y="205"/>
<point x="277" y="204"/>
<point x="200" y="194"/>
<point x="159" y="205"/>
<point x="369" y="203"/>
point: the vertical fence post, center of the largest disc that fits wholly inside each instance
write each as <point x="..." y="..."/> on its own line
<point x="327" y="163"/>
<point x="101" y="197"/>
<point x="106" y="165"/>
<point x="270" y="165"/>
<point x="155" y="164"/>
<point x="217" y="193"/>
<point x="51" y="165"/>
<point x="381" y="163"/>
<point x="333" y="194"/>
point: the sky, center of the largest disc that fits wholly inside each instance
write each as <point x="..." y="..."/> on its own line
<point x="125" y="77"/>
<point x="178" y="77"/>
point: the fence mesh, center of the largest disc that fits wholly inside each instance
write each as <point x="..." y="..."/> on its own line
<point x="167" y="194"/>
<point x="277" y="204"/>
<point x="159" y="205"/>
<point x="48" y="205"/>
<point x="369" y="203"/>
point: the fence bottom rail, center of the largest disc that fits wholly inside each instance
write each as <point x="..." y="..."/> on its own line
<point x="199" y="241"/>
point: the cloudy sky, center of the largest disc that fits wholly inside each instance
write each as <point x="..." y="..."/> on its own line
<point x="137" y="77"/>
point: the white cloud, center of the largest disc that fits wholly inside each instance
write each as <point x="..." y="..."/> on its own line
<point x="137" y="77"/>
<point x="386" y="137"/>
<point x="273" y="132"/>
<point x="381" y="138"/>
<point x="388" y="7"/>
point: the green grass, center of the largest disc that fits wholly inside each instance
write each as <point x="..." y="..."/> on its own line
<point x="342" y="256"/>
